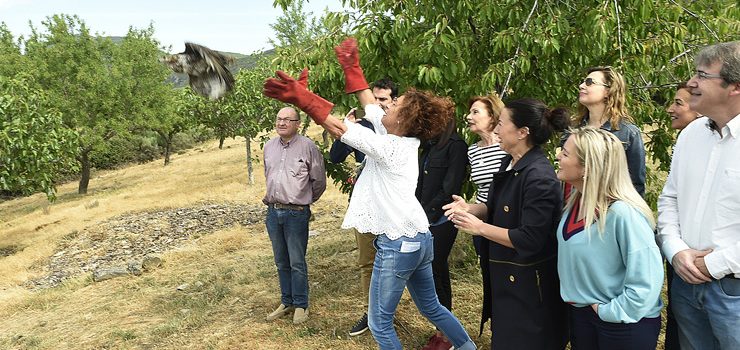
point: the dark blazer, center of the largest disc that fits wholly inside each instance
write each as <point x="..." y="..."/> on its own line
<point x="521" y="285"/>
<point x="339" y="150"/>
<point x="442" y="171"/>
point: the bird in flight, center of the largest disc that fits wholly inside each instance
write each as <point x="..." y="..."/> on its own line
<point x="206" y="70"/>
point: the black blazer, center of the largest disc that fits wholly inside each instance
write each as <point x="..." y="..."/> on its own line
<point x="339" y="150"/>
<point x="442" y="171"/>
<point x="520" y="285"/>
<point x="528" y="201"/>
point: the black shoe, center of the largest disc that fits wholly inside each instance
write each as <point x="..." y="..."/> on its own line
<point x="360" y="327"/>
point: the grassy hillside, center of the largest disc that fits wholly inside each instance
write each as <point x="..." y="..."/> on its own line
<point x="231" y="278"/>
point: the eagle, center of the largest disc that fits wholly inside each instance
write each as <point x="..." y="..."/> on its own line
<point x="206" y="70"/>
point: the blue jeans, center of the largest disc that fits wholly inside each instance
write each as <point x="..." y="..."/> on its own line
<point x="288" y="231"/>
<point x="407" y="262"/>
<point x="708" y="314"/>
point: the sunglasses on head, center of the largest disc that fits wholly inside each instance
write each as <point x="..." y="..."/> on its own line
<point x="591" y="81"/>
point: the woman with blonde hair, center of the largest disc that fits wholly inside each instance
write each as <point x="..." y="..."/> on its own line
<point x="609" y="265"/>
<point x="602" y="98"/>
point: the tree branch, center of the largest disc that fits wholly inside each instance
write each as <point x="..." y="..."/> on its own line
<point x="679" y="55"/>
<point x="716" y="37"/>
<point x="648" y="86"/>
<point x="619" y="32"/>
<point x="516" y="54"/>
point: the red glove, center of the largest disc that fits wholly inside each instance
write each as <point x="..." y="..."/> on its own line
<point x="303" y="78"/>
<point x="349" y="58"/>
<point x="289" y="90"/>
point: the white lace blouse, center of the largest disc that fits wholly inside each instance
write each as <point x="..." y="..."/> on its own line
<point x="383" y="200"/>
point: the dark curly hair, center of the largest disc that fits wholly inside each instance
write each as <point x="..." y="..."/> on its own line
<point x="424" y="115"/>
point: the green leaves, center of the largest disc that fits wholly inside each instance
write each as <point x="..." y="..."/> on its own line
<point x="97" y="88"/>
<point x="34" y="144"/>
<point x="467" y="47"/>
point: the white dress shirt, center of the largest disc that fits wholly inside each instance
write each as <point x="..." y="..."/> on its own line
<point x="699" y="207"/>
<point x="383" y="199"/>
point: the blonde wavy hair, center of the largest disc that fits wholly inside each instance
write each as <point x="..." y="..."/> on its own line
<point x="616" y="98"/>
<point x="605" y="179"/>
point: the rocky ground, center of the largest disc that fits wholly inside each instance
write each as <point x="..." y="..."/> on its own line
<point x="131" y="243"/>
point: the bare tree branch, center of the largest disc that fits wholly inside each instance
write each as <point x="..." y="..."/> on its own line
<point x="716" y="37"/>
<point x="518" y="48"/>
<point x="619" y="32"/>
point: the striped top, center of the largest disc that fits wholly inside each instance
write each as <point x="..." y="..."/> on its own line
<point x="484" y="162"/>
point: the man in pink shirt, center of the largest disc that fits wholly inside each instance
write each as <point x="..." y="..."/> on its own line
<point x="295" y="177"/>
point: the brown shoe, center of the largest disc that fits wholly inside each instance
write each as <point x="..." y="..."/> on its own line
<point x="281" y="311"/>
<point x="300" y="315"/>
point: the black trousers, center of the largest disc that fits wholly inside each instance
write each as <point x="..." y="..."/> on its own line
<point x="589" y="332"/>
<point x="444" y="237"/>
<point x="671" y="327"/>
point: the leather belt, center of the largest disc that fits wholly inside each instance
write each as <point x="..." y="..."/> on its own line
<point x="287" y="206"/>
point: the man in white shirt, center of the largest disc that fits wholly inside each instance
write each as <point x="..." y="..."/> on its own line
<point x="699" y="208"/>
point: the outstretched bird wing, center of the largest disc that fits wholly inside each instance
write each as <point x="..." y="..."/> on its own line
<point x="206" y="70"/>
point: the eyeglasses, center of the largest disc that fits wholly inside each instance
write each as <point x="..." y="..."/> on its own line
<point x="591" y="81"/>
<point x="285" y="120"/>
<point x="704" y="75"/>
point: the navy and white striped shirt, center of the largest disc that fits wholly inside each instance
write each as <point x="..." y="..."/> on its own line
<point x="484" y="162"/>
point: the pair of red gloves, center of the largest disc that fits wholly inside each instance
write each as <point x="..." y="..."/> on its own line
<point x="289" y="90"/>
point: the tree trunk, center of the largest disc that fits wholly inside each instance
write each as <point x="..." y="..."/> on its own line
<point x="84" y="160"/>
<point x="167" y="148"/>
<point x="221" y="139"/>
<point x="250" y="169"/>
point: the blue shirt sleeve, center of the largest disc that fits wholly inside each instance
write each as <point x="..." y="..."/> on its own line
<point x="339" y="150"/>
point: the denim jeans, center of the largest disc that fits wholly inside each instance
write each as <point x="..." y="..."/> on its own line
<point x="407" y="262"/>
<point x="288" y="231"/>
<point x="708" y="314"/>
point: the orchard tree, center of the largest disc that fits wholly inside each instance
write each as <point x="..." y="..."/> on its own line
<point x="524" y="49"/>
<point x="212" y="114"/>
<point x="142" y="97"/>
<point x="250" y="114"/>
<point x="70" y="67"/>
<point x="10" y="54"/>
<point x="177" y="118"/>
<point x="303" y="41"/>
<point x="35" y="146"/>
<point x="99" y="87"/>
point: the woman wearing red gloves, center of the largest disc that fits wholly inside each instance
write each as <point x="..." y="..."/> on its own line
<point x="383" y="200"/>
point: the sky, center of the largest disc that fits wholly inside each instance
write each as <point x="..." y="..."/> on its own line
<point x="223" y="25"/>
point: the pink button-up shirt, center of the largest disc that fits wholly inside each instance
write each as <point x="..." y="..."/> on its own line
<point x="294" y="171"/>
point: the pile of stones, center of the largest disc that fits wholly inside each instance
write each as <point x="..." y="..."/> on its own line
<point x="133" y="243"/>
